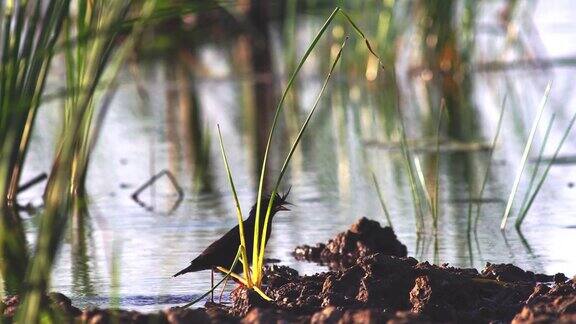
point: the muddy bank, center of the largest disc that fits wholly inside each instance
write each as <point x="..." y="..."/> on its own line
<point x="402" y="289"/>
<point x="376" y="288"/>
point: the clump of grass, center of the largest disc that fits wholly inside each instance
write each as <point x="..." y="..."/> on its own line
<point x="86" y="60"/>
<point x="534" y="186"/>
<point x="59" y="196"/>
<point x="252" y="277"/>
<point x="532" y="193"/>
<point x="29" y="31"/>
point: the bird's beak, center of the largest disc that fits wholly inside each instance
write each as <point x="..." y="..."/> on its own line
<point x="281" y="208"/>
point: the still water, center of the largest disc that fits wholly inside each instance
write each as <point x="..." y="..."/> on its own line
<point x="331" y="179"/>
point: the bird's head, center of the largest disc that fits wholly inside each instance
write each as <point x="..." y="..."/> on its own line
<point x="279" y="204"/>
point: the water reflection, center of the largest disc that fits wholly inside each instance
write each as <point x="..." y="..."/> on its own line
<point x="164" y="117"/>
<point x="82" y="284"/>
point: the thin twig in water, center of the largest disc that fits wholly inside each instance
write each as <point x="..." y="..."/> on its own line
<point x="32" y="182"/>
<point x="151" y="181"/>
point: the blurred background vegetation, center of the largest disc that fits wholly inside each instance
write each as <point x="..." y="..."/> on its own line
<point x="447" y="66"/>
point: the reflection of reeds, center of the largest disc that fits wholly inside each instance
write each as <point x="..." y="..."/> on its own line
<point x="81" y="282"/>
<point x="186" y="132"/>
<point x="14" y="251"/>
<point x="446" y="52"/>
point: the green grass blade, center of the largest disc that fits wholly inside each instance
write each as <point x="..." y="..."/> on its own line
<point x="522" y="216"/>
<point x="292" y="150"/>
<point x="237" y="204"/>
<point x="536" y="166"/>
<point x="382" y="203"/>
<point x="422" y="180"/>
<point x="437" y="166"/>
<point x="525" y="157"/>
<point x="279" y="107"/>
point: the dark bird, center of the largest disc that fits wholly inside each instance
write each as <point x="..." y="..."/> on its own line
<point x="223" y="251"/>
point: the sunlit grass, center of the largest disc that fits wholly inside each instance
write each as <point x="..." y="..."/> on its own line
<point x="531" y="194"/>
<point x="524" y="158"/>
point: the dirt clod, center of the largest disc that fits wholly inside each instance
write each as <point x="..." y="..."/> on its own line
<point x="363" y="238"/>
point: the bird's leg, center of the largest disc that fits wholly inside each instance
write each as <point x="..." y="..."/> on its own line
<point x="212" y="284"/>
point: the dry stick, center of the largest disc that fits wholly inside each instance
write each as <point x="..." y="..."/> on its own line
<point x="32" y="182"/>
<point x="152" y="180"/>
<point x="524" y="158"/>
<point x="490" y="159"/>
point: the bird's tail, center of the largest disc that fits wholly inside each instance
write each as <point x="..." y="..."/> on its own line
<point x="191" y="268"/>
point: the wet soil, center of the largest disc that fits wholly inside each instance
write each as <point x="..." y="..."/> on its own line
<point x="388" y="288"/>
<point x="377" y="288"/>
<point x="363" y="238"/>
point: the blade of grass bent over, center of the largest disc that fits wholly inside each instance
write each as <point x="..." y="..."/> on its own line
<point x="289" y="156"/>
<point x="520" y="219"/>
<point x="524" y="157"/>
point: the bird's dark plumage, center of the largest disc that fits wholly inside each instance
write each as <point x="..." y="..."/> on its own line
<point x="223" y="251"/>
